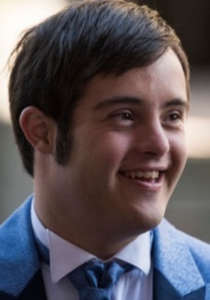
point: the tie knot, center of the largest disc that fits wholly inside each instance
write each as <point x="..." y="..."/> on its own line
<point x="94" y="280"/>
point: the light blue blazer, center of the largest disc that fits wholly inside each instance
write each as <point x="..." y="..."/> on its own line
<point x="181" y="263"/>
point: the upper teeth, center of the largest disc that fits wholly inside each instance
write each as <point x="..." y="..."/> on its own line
<point x="140" y="174"/>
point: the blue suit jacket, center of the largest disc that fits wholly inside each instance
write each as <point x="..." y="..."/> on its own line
<point x="181" y="263"/>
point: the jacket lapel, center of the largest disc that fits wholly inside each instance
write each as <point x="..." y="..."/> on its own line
<point x="19" y="257"/>
<point x="35" y="289"/>
<point x="176" y="275"/>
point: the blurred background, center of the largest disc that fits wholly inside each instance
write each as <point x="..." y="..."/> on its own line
<point x="189" y="207"/>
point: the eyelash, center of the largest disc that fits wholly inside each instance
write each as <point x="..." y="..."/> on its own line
<point x="123" y="116"/>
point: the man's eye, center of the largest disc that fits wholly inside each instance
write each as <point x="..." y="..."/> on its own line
<point x="174" y="116"/>
<point x="126" y="116"/>
<point x="122" y="118"/>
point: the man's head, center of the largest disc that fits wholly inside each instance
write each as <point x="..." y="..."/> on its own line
<point x="57" y="58"/>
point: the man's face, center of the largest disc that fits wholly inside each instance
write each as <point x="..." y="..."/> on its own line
<point x="129" y="148"/>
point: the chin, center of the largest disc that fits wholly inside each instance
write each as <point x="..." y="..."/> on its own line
<point x="149" y="220"/>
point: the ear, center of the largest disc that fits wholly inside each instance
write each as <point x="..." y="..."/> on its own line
<point x="38" y="129"/>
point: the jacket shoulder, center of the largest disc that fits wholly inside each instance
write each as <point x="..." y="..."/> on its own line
<point x="200" y="251"/>
<point x="19" y="259"/>
<point x="180" y="260"/>
<point x="180" y="247"/>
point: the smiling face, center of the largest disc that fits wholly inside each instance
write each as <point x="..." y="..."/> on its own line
<point x="128" y="151"/>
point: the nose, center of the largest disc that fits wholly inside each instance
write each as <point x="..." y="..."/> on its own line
<point x="154" y="139"/>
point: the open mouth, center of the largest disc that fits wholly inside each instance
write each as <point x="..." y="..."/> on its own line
<point x="147" y="176"/>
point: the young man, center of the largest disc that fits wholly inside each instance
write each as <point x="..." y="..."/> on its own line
<point x="99" y="95"/>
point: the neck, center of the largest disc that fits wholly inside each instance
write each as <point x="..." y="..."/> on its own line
<point x="93" y="239"/>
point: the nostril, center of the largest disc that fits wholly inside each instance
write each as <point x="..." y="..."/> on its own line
<point x="151" y="153"/>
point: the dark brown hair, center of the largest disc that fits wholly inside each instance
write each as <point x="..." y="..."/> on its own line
<point x="54" y="60"/>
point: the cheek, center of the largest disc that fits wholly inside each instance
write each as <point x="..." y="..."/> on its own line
<point x="179" y="151"/>
<point x="109" y="148"/>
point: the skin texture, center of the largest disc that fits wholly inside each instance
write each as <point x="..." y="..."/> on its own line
<point x="133" y="122"/>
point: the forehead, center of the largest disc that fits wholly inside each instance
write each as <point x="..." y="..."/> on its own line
<point x="162" y="80"/>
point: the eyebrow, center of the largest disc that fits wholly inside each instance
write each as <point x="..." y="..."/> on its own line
<point x="118" y="100"/>
<point x="138" y="101"/>
<point x="177" y="102"/>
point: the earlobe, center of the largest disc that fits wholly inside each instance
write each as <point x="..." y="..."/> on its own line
<point x="38" y="129"/>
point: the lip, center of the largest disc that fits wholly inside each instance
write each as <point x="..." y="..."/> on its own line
<point x="146" y="169"/>
<point x="147" y="185"/>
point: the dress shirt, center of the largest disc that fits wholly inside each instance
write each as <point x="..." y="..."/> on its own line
<point x="65" y="257"/>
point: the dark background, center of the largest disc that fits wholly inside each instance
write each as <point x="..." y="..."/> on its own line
<point x="191" y="20"/>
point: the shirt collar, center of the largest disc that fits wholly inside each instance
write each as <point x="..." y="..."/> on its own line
<point x="65" y="256"/>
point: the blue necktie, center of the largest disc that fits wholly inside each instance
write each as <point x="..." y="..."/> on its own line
<point x="95" y="280"/>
